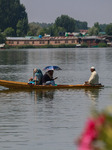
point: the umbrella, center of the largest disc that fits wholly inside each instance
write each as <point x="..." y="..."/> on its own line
<point x="52" y="68"/>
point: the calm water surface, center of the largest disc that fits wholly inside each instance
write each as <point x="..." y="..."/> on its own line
<point x="50" y="120"/>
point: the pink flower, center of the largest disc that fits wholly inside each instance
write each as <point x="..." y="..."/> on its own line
<point x="90" y="133"/>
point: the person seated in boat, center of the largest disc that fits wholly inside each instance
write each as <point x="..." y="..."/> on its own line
<point x="48" y="78"/>
<point x="37" y="77"/>
<point x="94" y="78"/>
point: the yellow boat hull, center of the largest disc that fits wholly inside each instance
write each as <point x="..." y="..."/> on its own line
<point x="24" y="85"/>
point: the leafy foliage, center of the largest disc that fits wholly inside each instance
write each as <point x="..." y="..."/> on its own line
<point x="9" y="32"/>
<point x="34" y="29"/>
<point x="2" y="38"/>
<point x="109" y="29"/>
<point x="102" y="27"/>
<point x="94" y="30"/>
<point x="66" y="22"/>
<point x="102" y="45"/>
<point x="21" y="28"/>
<point x="12" y="12"/>
<point x="44" y="25"/>
<point x="97" y="28"/>
<point x="81" y="25"/>
<point x="62" y="24"/>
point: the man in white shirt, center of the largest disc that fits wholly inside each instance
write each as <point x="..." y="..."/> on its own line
<point x="94" y="78"/>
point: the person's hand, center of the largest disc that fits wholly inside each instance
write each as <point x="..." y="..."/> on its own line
<point x="55" y="78"/>
<point x="86" y="82"/>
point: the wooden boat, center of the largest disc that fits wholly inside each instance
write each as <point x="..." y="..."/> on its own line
<point x="24" y="85"/>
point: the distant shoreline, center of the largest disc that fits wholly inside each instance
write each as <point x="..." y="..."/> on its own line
<point x="52" y="46"/>
<point x="45" y="46"/>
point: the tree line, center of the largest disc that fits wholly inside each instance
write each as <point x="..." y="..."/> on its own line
<point x="62" y="24"/>
<point x="14" y="23"/>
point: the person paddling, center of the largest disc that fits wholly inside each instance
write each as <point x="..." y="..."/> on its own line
<point x="94" y="78"/>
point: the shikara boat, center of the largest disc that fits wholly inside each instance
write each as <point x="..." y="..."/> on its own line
<point x="24" y="85"/>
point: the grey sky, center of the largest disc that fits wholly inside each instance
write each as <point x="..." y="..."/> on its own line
<point x="84" y="10"/>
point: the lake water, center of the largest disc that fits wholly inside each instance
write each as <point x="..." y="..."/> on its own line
<point x="51" y="119"/>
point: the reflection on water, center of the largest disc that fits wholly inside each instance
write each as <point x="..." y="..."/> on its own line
<point x="50" y="116"/>
<point x="93" y="95"/>
<point x="12" y="64"/>
<point x="36" y="94"/>
<point x="50" y="119"/>
<point x="13" y="57"/>
<point x="40" y="95"/>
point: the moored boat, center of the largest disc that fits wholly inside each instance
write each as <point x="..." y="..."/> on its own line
<point x="24" y="85"/>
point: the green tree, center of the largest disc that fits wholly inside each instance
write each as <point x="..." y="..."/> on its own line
<point x="109" y="29"/>
<point x="41" y="32"/>
<point x="94" y="30"/>
<point x="62" y="24"/>
<point x="44" y="25"/>
<point x="34" y="29"/>
<point x="9" y="32"/>
<point x="50" y="31"/>
<point x="66" y="22"/>
<point x="81" y="25"/>
<point x="11" y="11"/>
<point x="22" y="27"/>
<point x="103" y="27"/>
<point x="2" y="38"/>
<point x="58" y="30"/>
<point x="96" y="25"/>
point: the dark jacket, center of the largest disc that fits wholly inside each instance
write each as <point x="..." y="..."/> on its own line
<point x="46" y="78"/>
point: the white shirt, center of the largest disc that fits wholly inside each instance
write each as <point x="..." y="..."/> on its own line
<point x="94" y="78"/>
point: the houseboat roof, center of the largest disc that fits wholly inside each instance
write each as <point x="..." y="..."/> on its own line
<point x="16" y="38"/>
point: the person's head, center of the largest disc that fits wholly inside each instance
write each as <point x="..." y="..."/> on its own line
<point x="92" y="68"/>
<point x="51" y="72"/>
<point x="35" y="70"/>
